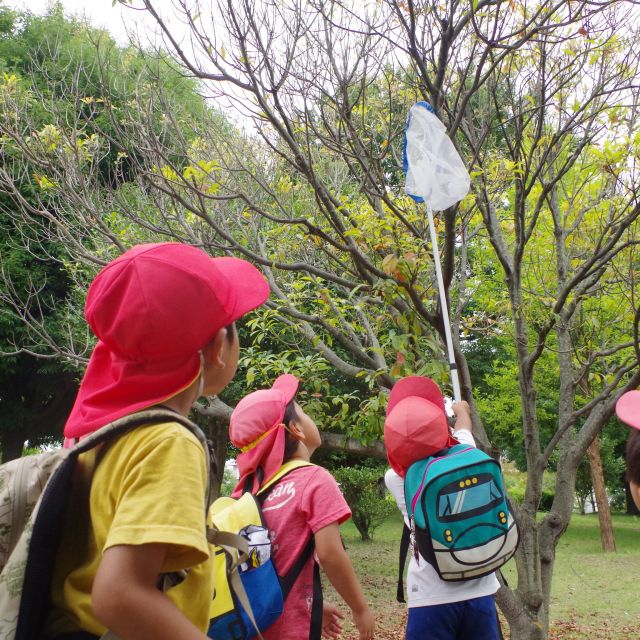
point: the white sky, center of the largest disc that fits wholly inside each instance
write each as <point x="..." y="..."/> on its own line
<point x="101" y="13"/>
<point x="119" y="20"/>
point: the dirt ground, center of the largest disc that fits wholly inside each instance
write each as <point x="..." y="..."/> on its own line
<point x="391" y="620"/>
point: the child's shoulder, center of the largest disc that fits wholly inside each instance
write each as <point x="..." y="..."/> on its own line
<point x="163" y="439"/>
<point x="159" y="431"/>
<point x="314" y="474"/>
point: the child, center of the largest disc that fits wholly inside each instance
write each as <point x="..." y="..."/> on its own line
<point x="270" y="428"/>
<point x="628" y="410"/>
<point x="164" y="316"/>
<point x="416" y="427"/>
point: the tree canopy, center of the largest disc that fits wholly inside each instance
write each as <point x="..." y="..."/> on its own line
<point x="290" y="156"/>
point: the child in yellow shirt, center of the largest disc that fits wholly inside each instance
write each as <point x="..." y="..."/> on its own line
<point x="164" y="317"/>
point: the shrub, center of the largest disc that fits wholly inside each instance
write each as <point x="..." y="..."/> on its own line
<point x="363" y="489"/>
<point x="516" y="482"/>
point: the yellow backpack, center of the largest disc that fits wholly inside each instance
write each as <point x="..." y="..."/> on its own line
<point x="249" y="595"/>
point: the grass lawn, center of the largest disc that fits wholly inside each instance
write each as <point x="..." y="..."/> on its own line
<point x="594" y="595"/>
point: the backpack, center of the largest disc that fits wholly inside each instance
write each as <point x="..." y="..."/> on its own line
<point x="34" y="496"/>
<point x="460" y="517"/>
<point x="249" y="594"/>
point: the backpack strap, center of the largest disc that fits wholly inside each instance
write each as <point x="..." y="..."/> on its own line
<point x="247" y="487"/>
<point x="286" y="468"/>
<point x="315" y="630"/>
<point x="113" y="430"/>
<point x="241" y="594"/>
<point x="287" y="581"/>
<point x="237" y="550"/>
<point x="46" y="530"/>
<point x="402" y="559"/>
<point x="149" y="416"/>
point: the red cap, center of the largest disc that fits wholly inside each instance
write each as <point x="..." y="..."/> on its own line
<point x="416" y="425"/>
<point x="256" y="428"/>
<point x="628" y="408"/>
<point x="152" y="310"/>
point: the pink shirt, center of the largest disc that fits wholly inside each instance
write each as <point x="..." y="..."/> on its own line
<point x="306" y="500"/>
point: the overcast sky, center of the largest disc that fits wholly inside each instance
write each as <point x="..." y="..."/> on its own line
<point x="100" y="13"/>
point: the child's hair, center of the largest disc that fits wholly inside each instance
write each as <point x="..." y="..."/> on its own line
<point x="231" y="329"/>
<point x="290" y="443"/>
<point x="633" y="457"/>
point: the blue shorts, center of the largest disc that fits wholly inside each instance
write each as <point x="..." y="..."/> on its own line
<point x="469" y="619"/>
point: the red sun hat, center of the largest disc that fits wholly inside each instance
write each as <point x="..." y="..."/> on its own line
<point x="256" y="428"/>
<point x="153" y="309"/>
<point x="416" y="425"/>
<point x="628" y="408"/>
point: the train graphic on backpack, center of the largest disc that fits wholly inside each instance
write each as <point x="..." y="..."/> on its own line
<point x="459" y="513"/>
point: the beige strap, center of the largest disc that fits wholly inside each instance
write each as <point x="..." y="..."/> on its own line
<point x="151" y="415"/>
<point x="238" y="588"/>
<point x="237" y="548"/>
<point x="228" y="539"/>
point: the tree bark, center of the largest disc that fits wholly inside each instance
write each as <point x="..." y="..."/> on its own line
<point x="12" y="443"/>
<point x="607" y="537"/>
<point x="343" y="443"/>
<point x="217" y="432"/>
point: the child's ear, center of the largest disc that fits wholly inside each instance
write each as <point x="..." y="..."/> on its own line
<point x="295" y="431"/>
<point x="213" y="351"/>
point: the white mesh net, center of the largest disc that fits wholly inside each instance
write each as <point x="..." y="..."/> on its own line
<point x="434" y="171"/>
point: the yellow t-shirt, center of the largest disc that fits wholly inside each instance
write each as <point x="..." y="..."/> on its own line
<point x="149" y="487"/>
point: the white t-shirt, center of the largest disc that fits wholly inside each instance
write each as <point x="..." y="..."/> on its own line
<point x="424" y="585"/>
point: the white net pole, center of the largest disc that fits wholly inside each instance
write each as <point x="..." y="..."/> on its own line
<point x="457" y="396"/>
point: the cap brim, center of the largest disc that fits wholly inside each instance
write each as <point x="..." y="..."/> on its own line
<point x="288" y="384"/>
<point x="628" y="408"/>
<point x="250" y="285"/>
<point x="417" y="386"/>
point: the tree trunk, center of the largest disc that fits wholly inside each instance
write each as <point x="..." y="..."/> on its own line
<point x="602" y="501"/>
<point x="218" y="433"/>
<point x="522" y="606"/>
<point x="12" y="443"/>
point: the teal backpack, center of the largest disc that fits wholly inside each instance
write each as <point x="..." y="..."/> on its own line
<point x="459" y="513"/>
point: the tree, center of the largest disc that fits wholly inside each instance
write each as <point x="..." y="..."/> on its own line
<point x="540" y="99"/>
<point x="43" y="339"/>
<point x="35" y="391"/>
<point x="362" y="490"/>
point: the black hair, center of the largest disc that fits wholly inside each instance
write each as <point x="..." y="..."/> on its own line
<point x="290" y="443"/>
<point x="633" y="457"/>
<point x="231" y="329"/>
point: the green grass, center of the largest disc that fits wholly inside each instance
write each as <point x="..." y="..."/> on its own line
<point x="594" y="595"/>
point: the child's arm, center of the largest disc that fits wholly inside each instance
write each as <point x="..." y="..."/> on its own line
<point x="462" y="412"/>
<point x="127" y="601"/>
<point x="336" y="564"/>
